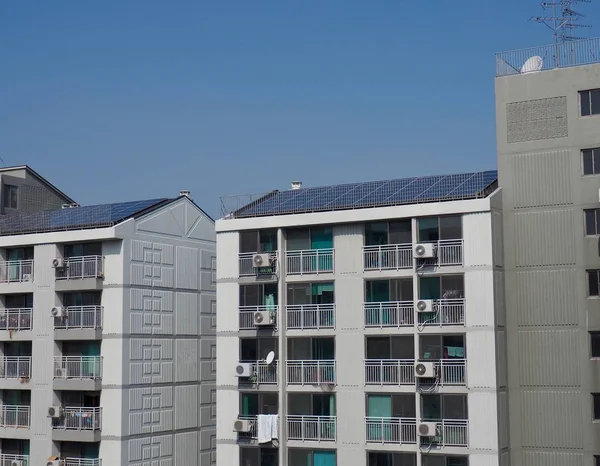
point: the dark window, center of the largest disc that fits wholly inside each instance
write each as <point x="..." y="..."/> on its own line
<point x="394" y="232"/>
<point x="597" y="459"/>
<point x="591" y="161"/>
<point x="589" y="102"/>
<point x="443" y="460"/>
<point x="596" y="402"/>
<point x="258" y="241"/>
<point x="375" y="458"/>
<point x="11" y="196"/>
<point x="83" y="249"/>
<point x="595" y="344"/>
<point x="593" y="277"/>
<point x="440" y="228"/>
<point x="592" y="219"/>
<point x="303" y="457"/>
<point x="252" y="456"/>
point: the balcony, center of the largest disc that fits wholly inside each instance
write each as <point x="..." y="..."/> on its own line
<point x="389" y="372"/>
<point x="445" y="312"/>
<point x="389" y="314"/>
<point x="452" y="372"/>
<point x="247" y="317"/>
<point x="16" y="271"/>
<point x="77" y="424"/>
<point x="13" y="460"/>
<point x="310" y="261"/>
<point x="447" y="252"/>
<point x="14" y="372"/>
<point x="16" y="319"/>
<point x="263" y="373"/>
<point x="388" y="257"/>
<point x="87" y="269"/>
<point x="248" y="268"/>
<point x="252" y="433"/>
<point x="450" y="433"/>
<point x="79" y="323"/>
<point x="311" y="428"/>
<point x="310" y="316"/>
<point x="78" y="373"/>
<point x="391" y="430"/>
<point x="311" y="372"/>
<point x="80" y="462"/>
<point x="15" y="417"/>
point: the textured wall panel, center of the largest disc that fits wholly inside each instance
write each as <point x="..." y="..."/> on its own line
<point x="479" y="302"/>
<point x="187" y="266"/>
<point x="150" y="410"/>
<point x="151" y="361"/>
<point x="186" y="360"/>
<point x="501" y="358"/>
<point x="228" y="247"/>
<point x="545" y="238"/>
<point x="483" y="425"/>
<point x="549" y="358"/>
<point x="497" y="238"/>
<point x="533" y="120"/>
<point x="481" y="361"/>
<point x="187" y="314"/>
<point x="499" y="303"/>
<point x="503" y="418"/>
<point x="348" y="241"/>
<point x="186" y="449"/>
<point x="477" y="232"/>
<point x="542" y="179"/>
<point x="186" y="398"/>
<point x="151" y="312"/>
<point x="546" y="297"/>
<point x="544" y="458"/>
<point x="152" y="264"/>
<point x="150" y="451"/>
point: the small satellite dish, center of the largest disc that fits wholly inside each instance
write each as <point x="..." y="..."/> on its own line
<point x="534" y="63"/>
<point x="270" y="357"/>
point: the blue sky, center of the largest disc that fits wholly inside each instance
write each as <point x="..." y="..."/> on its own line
<point x="119" y="100"/>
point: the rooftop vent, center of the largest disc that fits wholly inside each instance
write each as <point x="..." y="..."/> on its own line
<point x="296" y="184"/>
<point x="70" y="206"/>
<point x="185" y="192"/>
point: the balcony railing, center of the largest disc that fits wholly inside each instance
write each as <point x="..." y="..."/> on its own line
<point x="391" y="430"/>
<point x="247" y="267"/>
<point x="450" y="252"/>
<point x="10" y="460"/>
<point x="264" y="373"/>
<point x="450" y="433"/>
<point x="76" y="418"/>
<point x="389" y="372"/>
<point x="81" y="462"/>
<point x="78" y="367"/>
<point x="80" y="317"/>
<point x="389" y="314"/>
<point x="16" y="319"/>
<point x="311" y="428"/>
<point x="452" y="371"/>
<point x="311" y="372"/>
<point x="388" y="257"/>
<point x="247" y="316"/>
<point x="310" y="316"/>
<point x="16" y="271"/>
<point x="310" y="261"/>
<point x="252" y="433"/>
<point x="445" y="312"/>
<point x="15" y="416"/>
<point x="15" y="367"/>
<point x="81" y="267"/>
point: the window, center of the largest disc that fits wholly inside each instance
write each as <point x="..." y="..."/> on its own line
<point x="83" y="249"/>
<point x="252" y="456"/>
<point x="589" y="102"/>
<point x="439" y="407"/>
<point x="443" y="460"/>
<point x="595" y="344"/>
<point x="433" y="229"/>
<point x="591" y="161"/>
<point x="302" y="457"/>
<point x="593" y="282"/>
<point x="395" y="232"/>
<point x="258" y="241"/>
<point x="592" y="219"/>
<point x="597" y="459"/>
<point x="596" y="403"/>
<point x="303" y="239"/>
<point x="11" y="196"/>
<point x="375" y="458"/>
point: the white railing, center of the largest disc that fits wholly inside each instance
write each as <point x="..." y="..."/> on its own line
<point x="81" y="462"/>
<point x="452" y="371"/>
<point x="15" y="367"/>
<point x="388" y="257"/>
<point x="311" y="372"/>
<point x="263" y="373"/>
<point x="16" y="318"/>
<point x="312" y="428"/>
<point x="247" y="316"/>
<point x="75" y="418"/>
<point x="445" y="312"/>
<point x="9" y="460"/>
<point x="253" y="421"/>
<point x="78" y="367"/>
<point x="81" y="267"/>
<point x="391" y="430"/>
<point x="310" y="261"/>
<point x="389" y="314"/>
<point x="389" y="372"/>
<point x="247" y="265"/>
<point x="310" y="316"/>
<point x="16" y="271"/>
<point x="450" y="433"/>
<point x="450" y="252"/>
<point x="80" y="317"/>
<point x="15" y="416"/>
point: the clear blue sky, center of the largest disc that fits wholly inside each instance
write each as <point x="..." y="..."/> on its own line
<point x="120" y="99"/>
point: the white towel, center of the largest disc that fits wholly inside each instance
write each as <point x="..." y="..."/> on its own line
<point x="266" y="428"/>
<point x="274" y="426"/>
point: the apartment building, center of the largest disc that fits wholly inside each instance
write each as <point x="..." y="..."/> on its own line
<point x="107" y="332"/>
<point x="548" y="133"/>
<point x="363" y="325"/>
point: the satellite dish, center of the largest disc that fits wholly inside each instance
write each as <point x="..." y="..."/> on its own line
<point x="270" y="357"/>
<point x="534" y="63"/>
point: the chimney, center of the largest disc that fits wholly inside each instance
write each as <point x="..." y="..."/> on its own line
<point x="296" y="184"/>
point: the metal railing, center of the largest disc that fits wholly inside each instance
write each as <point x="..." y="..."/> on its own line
<point x="391" y="430"/>
<point x="264" y="373"/>
<point x="16" y="271"/>
<point x="78" y="367"/>
<point x="81" y="267"/>
<point x="247" y="316"/>
<point x="81" y="462"/>
<point x="16" y="318"/>
<point x="253" y="422"/>
<point x="9" y="460"/>
<point x="388" y="257"/>
<point x="445" y="312"/>
<point x="311" y="372"/>
<point x="450" y="433"/>
<point x="247" y="265"/>
<point x="389" y="372"/>
<point x="80" y="317"/>
<point x="310" y="261"/>
<point x="389" y="314"/>
<point x="15" y="367"/>
<point x="452" y="371"/>
<point x="560" y="55"/>
<point x="15" y="416"/>
<point x="310" y="316"/>
<point x="450" y="252"/>
<point x="77" y="418"/>
<point x="311" y="428"/>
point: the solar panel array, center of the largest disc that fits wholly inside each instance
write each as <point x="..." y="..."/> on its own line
<point x="76" y="218"/>
<point x="372" y="194"/>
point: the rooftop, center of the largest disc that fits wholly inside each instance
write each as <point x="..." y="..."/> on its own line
<point x="438" y="188"/>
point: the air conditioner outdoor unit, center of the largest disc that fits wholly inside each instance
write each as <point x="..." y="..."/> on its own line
<point x="425" y="370"/>
<point x="424" y="305"/>
<point x="263" y="318"/>
<point x="427" y="429"/>
<point x="424" y="251"/>
<point x="55" y="411"/>
<point x="17" y="463"/>
<point x="53" y="463"/>
<point x="262" y="260"/>
<point x="243" y="369"/>
<point x="58" y="262"/>
<point x="59" y="372"/>
<point x="27" y="277"/>
<point x="242" y="425"/>
<point x="58" y="311"/>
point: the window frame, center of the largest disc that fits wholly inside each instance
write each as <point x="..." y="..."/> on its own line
<point x="596" y="222"/>
<point x="595" y="415"/>
<point x="588" y="93"/>
<point x="592" y="334"/>
<point x="7" y="191"/>
<point x="592" y="151"/>
<point x="590" y="273"/>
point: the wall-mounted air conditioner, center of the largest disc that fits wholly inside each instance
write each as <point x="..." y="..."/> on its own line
<point x="262" y="260"/>
<point x="425" y="370"/>
<point x="58" y="311"/>
<point x="242" y="425"/>
<point x="427" y="429"/>
<point x="424" y="305"/>
<point x="243" y="369"/>
<point x="263" y="318"/>
<point x="424" y="251"/>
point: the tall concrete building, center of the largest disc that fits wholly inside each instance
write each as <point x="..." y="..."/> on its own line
<point x="363" y="325"/>
<point x="548" y="132"/>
